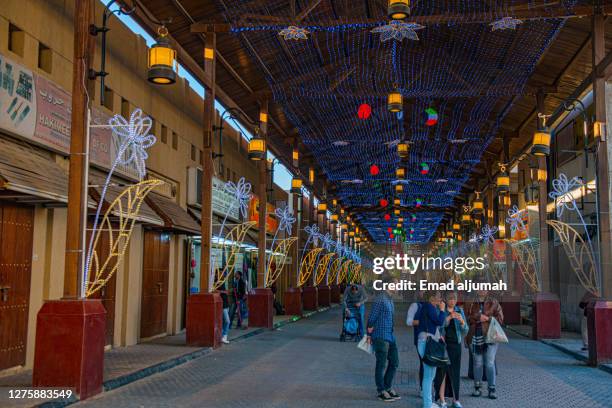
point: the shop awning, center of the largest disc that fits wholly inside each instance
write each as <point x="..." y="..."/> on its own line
<point x="174" y="216"/>
<point x="30" y="173"/>
<point x="96" y="180"/>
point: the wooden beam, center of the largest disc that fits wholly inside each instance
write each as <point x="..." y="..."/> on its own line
<point x="304" y="13"/>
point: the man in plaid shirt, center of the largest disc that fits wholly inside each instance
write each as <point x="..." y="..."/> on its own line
<point x="380" y="334"/>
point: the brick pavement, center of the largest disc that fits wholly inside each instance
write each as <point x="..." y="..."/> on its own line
<point x="304" y="365"/>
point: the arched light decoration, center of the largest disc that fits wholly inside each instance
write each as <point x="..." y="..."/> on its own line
<point x="257" y="148"/>
<point x="322" y="207"/>
<point x="503" y="180"/>
<point x="398" y="9"/>
<point x="311" y="176"/>
<point x="334" y="219"/>
<point x="395" y="102"/>
<point x="400" y="173"/>
<point x="477" y="204"/>
<point x="295" y="155"/>
<point x="403" y="150"/>
<point x="399" y="188"/>
<point x="162" y="64"/>
<point x="296" y="185"/>
<point x="541" y="143"/>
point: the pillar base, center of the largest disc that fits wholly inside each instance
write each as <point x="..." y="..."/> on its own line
<point x="324" y="295"/>
<point x="335" y="293"/>
<point x="310" y="298"/>
<point x="511" y="306"/>
<point x="69" y="353"/>
<point x="599" y="321"/>
<point x="261" y="310"/>
<point x="546" y="316"/>
<point x="293" y="302"/>
<point x="204" y="320"/>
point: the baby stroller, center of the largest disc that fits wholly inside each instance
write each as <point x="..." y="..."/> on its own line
<point x="350" y="325"/>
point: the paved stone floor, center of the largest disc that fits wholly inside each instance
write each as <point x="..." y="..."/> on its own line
<point x="304" y="365"/>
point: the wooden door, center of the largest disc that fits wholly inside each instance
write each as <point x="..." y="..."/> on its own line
<point x="154" y="306"/>
<point x="107" y="293"/>
<point x="16" y="234"/>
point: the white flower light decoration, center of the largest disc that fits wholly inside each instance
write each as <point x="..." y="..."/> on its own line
<point x="398" y="30"/>
<point x="313" y="233"/>
<point x="562" y="192"/>
<point x="241" y="192"/>
<point x="294" y="33"/>
<point x="515" y="220"/>
<point x="487" y="233"/>
<point x="328" y="242"/>
<point x="135" y="139"/>
<point x="286" y="219"/>
<point x="506" y="23"/>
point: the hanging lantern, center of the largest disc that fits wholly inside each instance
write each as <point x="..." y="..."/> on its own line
<point x="322" y="208"/>
<point x="398" y="9"/>
<point x="257" y="148"/>
<point x="503" y="181"/>
<point x="466" y="219"/>
<point x="334" y="203"/>
<point x="456" y="227"/>
<point x="296" y="186"/>
<point x="334" y="219"/>
<point x="364" y="111"/>
<point x="400" y="173"/>
<point x="399" y="225"/>
<point x="477" y="204"/>
<point x="295" y="155"/>
<point x="351" y="233"/>
<point x="396" y="212"/>
<point x="399" y="188"/>
<point x="449" y="234"/>
<point x="374" y="170"/>
<point x="311" y="176"/>
<point x="395" y="102"/>
<point x="397" y="202"/>
<point x="383" y="202"/>
<point x="541" y="143"/>
<point x="403" y="150"/>
<point x="505" y="200"/>
<point x="400" y="219"/>
<point x="162" y="62"/>
<point x="502" y="230"/>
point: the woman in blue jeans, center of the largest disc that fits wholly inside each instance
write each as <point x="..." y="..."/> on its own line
<point x="430" y="318"/>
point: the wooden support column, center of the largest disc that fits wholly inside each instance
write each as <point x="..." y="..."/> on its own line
<point x="207" y="162"/>
<point x="297" y="212"/>
<point x="77" y="175"/>
<point x="262" y="187"/>
<point x="603" y="163"/>
<point x="542" y="203"/>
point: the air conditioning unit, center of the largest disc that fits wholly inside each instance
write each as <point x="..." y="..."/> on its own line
<point x="194" y="187"/>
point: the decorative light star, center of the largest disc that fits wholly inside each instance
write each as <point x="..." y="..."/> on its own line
<point x="242" y="194"/>
<point x="286" y="219"/>
<point x="135" y="139"/>
<point x="294" y="33"/>
<point x="398" y="30"/>
<point x="506" y="23"/>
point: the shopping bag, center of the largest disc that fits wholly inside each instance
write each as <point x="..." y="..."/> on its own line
<point x="365" y="346"/>
<point x="495" y="334"/>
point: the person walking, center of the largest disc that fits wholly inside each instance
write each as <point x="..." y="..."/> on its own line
<point x="430" y="320"/>
<point x="226" y="319"/>
<point x="480" y="313"/>
<point x="355" y="297"/>
<point x="239" y="295"/>
<point x="380" y="335"/>
<point x="455" y="328"/>
<point x="413" y="311"/>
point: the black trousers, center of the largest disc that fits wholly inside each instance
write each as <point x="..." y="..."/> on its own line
<point x="452" y="373"/>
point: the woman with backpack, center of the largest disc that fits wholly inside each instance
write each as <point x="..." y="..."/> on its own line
<point x="431" y="318"/>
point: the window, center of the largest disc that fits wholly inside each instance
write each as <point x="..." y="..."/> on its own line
<point x="164" y="134"/>
<point x="193" y="153"/>
<point x="125" y="108"/>
<point x="108" y="98"/>
<point x="44" y="58"/>
<point x="174" y="141"/>
<point x="16" y="40"/>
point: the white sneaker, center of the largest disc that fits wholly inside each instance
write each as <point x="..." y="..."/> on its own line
<point x="434" y="405"/>
<point x="224" y="340"/>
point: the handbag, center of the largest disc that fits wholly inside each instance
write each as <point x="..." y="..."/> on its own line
<point x="496" y="334"/>
<point x="365" y="346"/>
<point x="435" y="351"/>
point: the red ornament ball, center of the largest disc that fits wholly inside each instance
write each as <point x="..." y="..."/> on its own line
<point x="391" y="236"/>
<point x="387" y="217"/>
<point x="374" y="170"/>
<point x="364" y="111"/>
<point x="384" y="202"/>
<point x="389" y="230"/>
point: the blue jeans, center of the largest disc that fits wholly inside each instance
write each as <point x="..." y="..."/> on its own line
<point x="236" y="307"/>
<point x="485" y="361"/>
<point x="429" y="372"/>
<point x="226" y="322"/>
<point x="386" y="356"/>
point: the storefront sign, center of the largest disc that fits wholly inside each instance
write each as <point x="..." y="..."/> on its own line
<point x="271" y="222"/>
<point x="37" y="109"/>
<point x="223" y="202"/>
